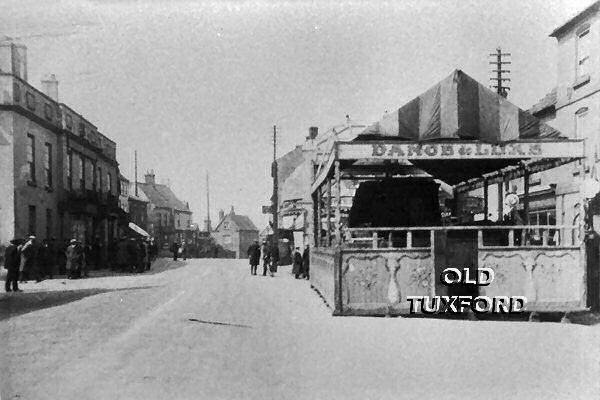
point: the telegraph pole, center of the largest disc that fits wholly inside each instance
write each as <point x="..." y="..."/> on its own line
<point x="275" y="202"/>
<point x="135" y="172"/>
<point x="501" y="89"/>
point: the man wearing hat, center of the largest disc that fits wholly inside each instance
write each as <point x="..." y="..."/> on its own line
<point x="254" y="257"/>
<point x="12" y="260"/>
<point x="72" y="254"/>
<point x="28" y="253"/>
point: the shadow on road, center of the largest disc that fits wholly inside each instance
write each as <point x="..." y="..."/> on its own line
<point x="13" y="304"/>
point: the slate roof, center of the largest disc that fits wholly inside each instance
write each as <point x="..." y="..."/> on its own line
<point x="161" y="196"/>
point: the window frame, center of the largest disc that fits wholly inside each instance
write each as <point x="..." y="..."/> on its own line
<point x="82" y="172"/>
<point x="48" y="165"/>
<point x="31" y="153"/>
<point x="579" y="60"/>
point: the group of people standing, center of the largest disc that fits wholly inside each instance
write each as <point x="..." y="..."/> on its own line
<point x="134" y="255"/>
<point x="270" y="258"/>
<point x="179" y="250"/>
<point x="26" y="259"/>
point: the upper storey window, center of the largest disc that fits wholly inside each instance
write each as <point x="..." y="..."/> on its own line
<point x="583" y="53"/>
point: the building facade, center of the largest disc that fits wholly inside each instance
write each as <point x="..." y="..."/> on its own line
<point x="573" y="108"/>
<point x="235" y="233"/>
<point x="169" y="219"/>
<point x="58" y="173"/>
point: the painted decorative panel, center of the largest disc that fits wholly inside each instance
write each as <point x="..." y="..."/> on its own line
<point x="384" y="279"/>
<point x="548" y="278"/>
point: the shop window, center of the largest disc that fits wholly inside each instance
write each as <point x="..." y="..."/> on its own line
<point x="31" y="157"/>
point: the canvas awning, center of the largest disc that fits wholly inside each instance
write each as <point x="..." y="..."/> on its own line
<point x="457" y="131"/>
<point x="138" y="230"/>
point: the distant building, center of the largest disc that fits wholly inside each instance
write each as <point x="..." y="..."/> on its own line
<point x="58" y="174"/>
<point x="235" y="233"/>
<point x="169" y="219"/>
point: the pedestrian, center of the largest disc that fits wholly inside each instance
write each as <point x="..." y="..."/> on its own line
<point x="122" y="257"/>
<point x="274" y="259"/>
<point x="297" y="263"/>
<point x="28" y="255"/>
<point x="306" y="262"/>
<point x="183" y="249"/>
<point x="12" y="261"/>
<point x="266" y="256"/>
<point x="254" y="257"/>
<point x="82" y="262"/>
<point x="132" y="255"/>
<point x="175" y="250"/>
<point x="72" y="259"/>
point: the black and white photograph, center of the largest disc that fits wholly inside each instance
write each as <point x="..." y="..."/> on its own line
<point x="303" y="200"/>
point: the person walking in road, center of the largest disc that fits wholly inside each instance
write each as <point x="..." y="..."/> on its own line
<point x="266" y="256"/>
<point x="12" y="260"/>
<point x="306" y="262"/>
<point x="183" y="249"/>
<point x="254" y="257"/>
<point x="174" y="250"/>
<point x="297" y="263"/>
<point x="274" y="259"/>
<point x="72" y="259"/>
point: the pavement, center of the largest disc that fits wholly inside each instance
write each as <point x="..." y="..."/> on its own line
<point x="207" y="329"/>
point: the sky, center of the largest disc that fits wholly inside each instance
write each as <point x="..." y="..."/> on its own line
<point x="197" y="86"/>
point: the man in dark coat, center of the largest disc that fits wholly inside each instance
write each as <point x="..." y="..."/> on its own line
<point x="12" y="260"/>
<point x="175" y="250"/>
<point x="122" y="258"/>
<point x="254" y="257"/>
<point x="306" y="262"/>
<point x="297" y="263"/>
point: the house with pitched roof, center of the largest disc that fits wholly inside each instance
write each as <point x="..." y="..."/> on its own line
<point x="169" y="218"/>
<point x="235" y="233"/>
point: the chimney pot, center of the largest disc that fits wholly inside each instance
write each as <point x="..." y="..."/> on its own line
<point x="150" y="178"/>
<point x="50" y="87"/>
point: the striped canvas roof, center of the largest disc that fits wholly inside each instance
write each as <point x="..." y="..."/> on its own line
<point x="459" y="107"/>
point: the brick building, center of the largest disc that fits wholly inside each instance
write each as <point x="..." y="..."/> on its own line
<point x="57" y="172"/>
<point x="235" y="233"/>
<point x="169" y="219"/>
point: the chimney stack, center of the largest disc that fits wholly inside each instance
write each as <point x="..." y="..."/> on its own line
<point x="13" y="58"/>
<point x="50" y="87"/>
<point x="232" y="211"/>
<point x="221" y="215"/>
<point x="150" y="178"/>
<point x="313" y="132"/>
